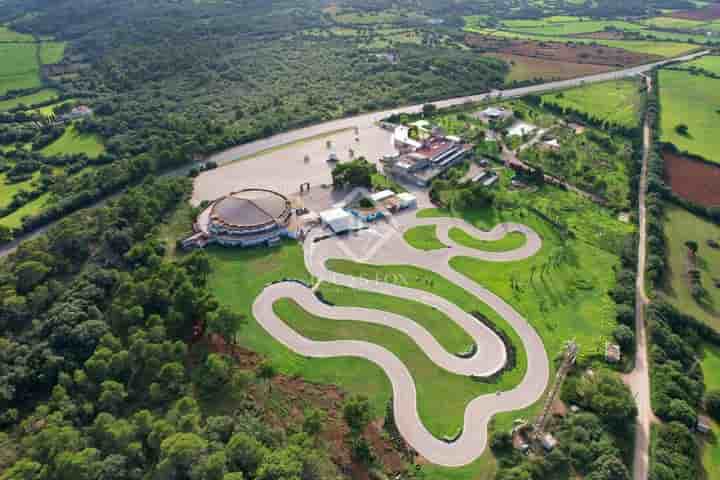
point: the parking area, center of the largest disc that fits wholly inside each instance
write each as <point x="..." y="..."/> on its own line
<point x="284" y="169"/>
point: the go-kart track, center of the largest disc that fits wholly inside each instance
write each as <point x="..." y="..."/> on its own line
<point x="382" y="244"/>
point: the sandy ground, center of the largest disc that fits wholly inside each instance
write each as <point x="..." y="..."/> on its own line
<point x="284" y="169"/>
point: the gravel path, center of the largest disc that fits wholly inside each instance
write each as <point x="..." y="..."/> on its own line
<point x="382" y="244"/>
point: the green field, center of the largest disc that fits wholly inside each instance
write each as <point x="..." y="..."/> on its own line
<point x="423" y="238"/>
<point x="7" y="35"/>
<point x="510" y="241"/>
<point x="18" y="68"/>
<point x="681" y="226"/>
<point x="711" y="366"/>
<point x="616" y="102"/>
<point x="7" y="191"/>
<point x="572" y="28"/>
<point x="41" y="96"/>
<point x="14" y="220"/>
<point x="72" y="142"/>
<point x="52" y="52"/>
<point x="697" y="107"/>
<point x="674" y="23"/>
<point x="709" y="63"/>
<point x="711" y="454"/>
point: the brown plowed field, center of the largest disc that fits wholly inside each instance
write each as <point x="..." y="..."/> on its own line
<point x="693" y="180"/>
<point x="561" y="52"/>
<point x="710" y="12"/>
<point x="530" y="68"/>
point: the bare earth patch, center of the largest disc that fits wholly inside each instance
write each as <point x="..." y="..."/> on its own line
<point x="530" y="68"/>
<point x="693" y="180"/>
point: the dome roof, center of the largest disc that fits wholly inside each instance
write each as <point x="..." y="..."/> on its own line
<point x="251" y="207"/>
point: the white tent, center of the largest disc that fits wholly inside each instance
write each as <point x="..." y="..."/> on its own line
<point x="338" y="220"/>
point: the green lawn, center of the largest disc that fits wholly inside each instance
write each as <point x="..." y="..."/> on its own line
<point x="14" y="220"/>
<point x="7" y="191"/>
<point x="710" y="63"/>
<point x="423" y="238"/>
<point x="711" y="366"/>
<point x="19" y="68"/>
<point x="52" y="52"/>
<point x="72" y="142"/>
<point x="711" y="454"/>
<point x="7" y="35"/>
<point x="681" y="226"/>
<point x="510" y="241"/>
<point x="616" y="102"/>
<point x="697" y="107"/>
<point x="41" y="96"/>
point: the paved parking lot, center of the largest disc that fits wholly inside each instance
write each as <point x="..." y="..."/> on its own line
<point x="284" y="169"/>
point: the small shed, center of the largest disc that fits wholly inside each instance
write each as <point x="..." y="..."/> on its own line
<point x="406" y="200"/>
<point x="548" y="442"/>
<point x="338" y="220"/>
<point x="704" y="424"/>
<point x="383" y="195"/>
<point x="612" y="352"/>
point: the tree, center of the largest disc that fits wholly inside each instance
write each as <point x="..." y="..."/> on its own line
<point x="245" y="454"/>
<point x="501" y="442"/>
<point x="356" y="413"/>
<point x="712" y="403"/>
<point x="679" y="410"/>
<point x="266" y="372"/>
<point x="357" y="173"/>
<point x="29" y="274"/>
<point x="625" y="337"/>
<point x="682" y="129"/>
<point x="180" y="451"/>
<point x="112" y="395"/>
<point x="608" y="467"/>
<point x="224" y="322"/>
<point x="313" y="422"/>
<point x="6" y="234"/>
<point x="428" y="109"/>
<point x="692" y="245"/>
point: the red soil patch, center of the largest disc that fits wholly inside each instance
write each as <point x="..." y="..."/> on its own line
<point x="529" y="68"/>
<point x="693" y="180"/>
<point x="563" y="52"/>
<point x="711" y="12"/>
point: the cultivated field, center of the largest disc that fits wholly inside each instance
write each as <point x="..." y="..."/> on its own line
<point x="680" y="227"/>
<point x="693" y="179"/>
<point x="530" y="68"/>
<point x="19" y="68"/>
<point x="611" y="103"/>
<point x="697" y="107"/>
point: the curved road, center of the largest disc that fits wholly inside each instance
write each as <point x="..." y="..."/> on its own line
<point x="382" y="245"/>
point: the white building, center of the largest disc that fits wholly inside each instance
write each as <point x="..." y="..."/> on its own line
<point x="338" y="220"/>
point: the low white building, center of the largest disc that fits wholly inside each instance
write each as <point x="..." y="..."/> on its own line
<point x="406" y="200"/>
<point x="338" y="220"/>
<point x="383" y="195"/>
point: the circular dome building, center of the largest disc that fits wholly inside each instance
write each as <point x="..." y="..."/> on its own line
<point x="244" y="218"/>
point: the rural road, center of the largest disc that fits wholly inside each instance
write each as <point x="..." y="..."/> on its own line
<point x="383" y="244"/>
<point x="369" y="119"/>
<point x="639" y="379"/>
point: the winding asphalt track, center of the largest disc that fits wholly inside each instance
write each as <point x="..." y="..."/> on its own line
<point x="383" y="245"/>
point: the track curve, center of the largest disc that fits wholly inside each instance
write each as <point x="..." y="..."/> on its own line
<point x="383" y="245"/>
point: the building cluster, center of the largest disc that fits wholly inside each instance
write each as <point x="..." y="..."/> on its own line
<point x="424" y="157"/>
<point x="362" y="208"/>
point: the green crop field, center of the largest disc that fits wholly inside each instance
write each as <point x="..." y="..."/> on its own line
<point x="711" y="366"/>
<point x="7" y="35"/>
<point x="423" y="238"/>
<point x="18" y="68"/>
<point x="697" y="107"/>
<point x="709" y="63"/>
<point x="14" y="220"/>
<point x="72" y="142"/>
<point x="681" y="226"/>
<point x="52" y="52"/>
<point x="674" y="23"/>
<point x="616" y="102"/>
<point x="41" y="96"/>
<point x="574" y="28"/>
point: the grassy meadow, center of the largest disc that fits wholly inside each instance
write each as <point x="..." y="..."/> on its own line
<point x="423" y="238"/>
<point x="698" y="108"/>
<point x="73" y="142"/>
<point x="680" y="227"/>
<point x="510" y="241"/>
<point x="616" y="102"/>
<point x="37" y="97"/>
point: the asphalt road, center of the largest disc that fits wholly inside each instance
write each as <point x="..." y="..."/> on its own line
<point x="383" y="245"/>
